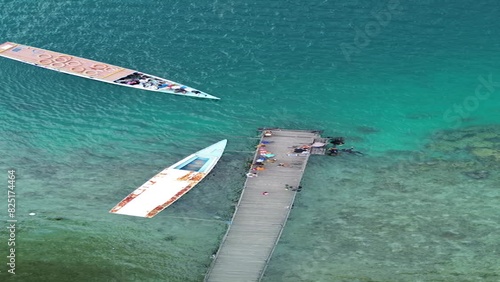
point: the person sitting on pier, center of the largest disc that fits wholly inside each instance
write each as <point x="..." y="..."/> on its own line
<point x="259" y="162"/>
<point x="352" y="151"/>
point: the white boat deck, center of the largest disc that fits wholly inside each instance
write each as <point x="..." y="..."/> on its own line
<point x="170" y="184"/>
<point x="262" y="211"/>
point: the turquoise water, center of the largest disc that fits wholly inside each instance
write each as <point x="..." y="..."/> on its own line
<point x="421" y="205"/>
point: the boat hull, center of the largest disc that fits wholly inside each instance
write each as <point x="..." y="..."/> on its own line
<point x="171" y="183"/>
<point x="96" y="70"/>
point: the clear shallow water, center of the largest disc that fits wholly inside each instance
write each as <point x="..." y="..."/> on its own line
<point x="412" y="209"/>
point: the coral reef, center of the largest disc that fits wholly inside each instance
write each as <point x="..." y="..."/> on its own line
<point x="481" y="142"/>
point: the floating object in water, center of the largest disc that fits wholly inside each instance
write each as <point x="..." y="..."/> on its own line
<point x="171" y="183"/>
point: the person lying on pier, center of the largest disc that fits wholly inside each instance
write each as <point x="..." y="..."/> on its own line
<point x="299" y="150"/>
<point x="303" y="148"/>
<point x="252" y="174"/>
<point x="352" y="151"/>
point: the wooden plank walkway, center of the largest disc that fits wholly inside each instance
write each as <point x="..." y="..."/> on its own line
<point x="262" y="210"/>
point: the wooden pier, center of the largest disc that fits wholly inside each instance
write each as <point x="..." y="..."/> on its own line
<point x="264" y="206"/>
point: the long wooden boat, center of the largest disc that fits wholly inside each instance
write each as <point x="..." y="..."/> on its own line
<point x="96" y="70"/>
<point x="170" y="184"/>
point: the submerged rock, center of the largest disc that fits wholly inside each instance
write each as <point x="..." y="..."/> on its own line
<point x="451" y="234"/>
<point x="367" y="129"/>
<point x="170" y="238"/>
<point x="481" y="142"/>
